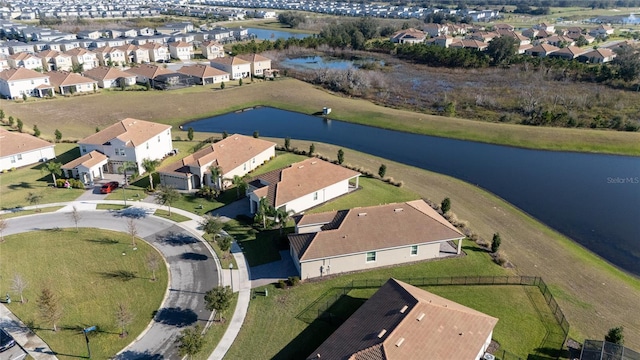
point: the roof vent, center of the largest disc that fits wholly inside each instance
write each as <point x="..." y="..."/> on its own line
<point x="300" y="167"/>
<point x="381" y="333"/>
<point x="235" y="138"/>
<point x="399" y="342"/>
<point x="314" y="162"/>
<point x="398" y="210"/>
<point x="362" y="214"/>
<point x="404" y="308"/>
<point x="420" y="317"/>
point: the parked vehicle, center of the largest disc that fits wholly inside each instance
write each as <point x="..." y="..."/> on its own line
<point x="6" y="341"/>
<point x="109" y="187"/>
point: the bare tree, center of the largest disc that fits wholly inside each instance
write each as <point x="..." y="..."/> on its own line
<point x="153" y="263"/>
<point x="49" y="306"/>
<point x="3" y="227"/>
<point x="132" y="229"/>
<point x="124" y="317"/>
<point x="75" y="216"/>
<point x="34" y="199"/>
<point x="18" y="284"/>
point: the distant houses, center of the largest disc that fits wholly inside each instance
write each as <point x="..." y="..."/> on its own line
<point x="18" y="149"/>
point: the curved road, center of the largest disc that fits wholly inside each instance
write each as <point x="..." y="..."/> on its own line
<point x="192" y="267"/>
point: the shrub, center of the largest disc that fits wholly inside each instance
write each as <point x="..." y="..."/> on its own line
<point x="495" y="242"/>
<point x="282" y="284"/>
<point x="294" y="280"/>
<point x="500" y="258"/>
<point x="446" y="205"/>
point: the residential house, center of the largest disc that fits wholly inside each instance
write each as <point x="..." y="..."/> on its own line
<point x="183" y="27"/>
<point x="597" y="56"/>
<point x="484" y="36"/>
<point x="234" y="155"/>
<point x="302" y="185"/>
<point x="113" y="33"/>
<point x="108" y="77"/>
<point x="470" y="44"/>
<point x="25" y="60"/>
<point x="205" y="74"/>
<point x="156" y="51"/>
<point x="16" y="47"/>
<point x="601" y="31"/>
<point x="233" y="65"/>
<point x="443" y="41"/>
<point x="435" y="30"/>
<point x="212" y="49"/>
<point x="87" y="167"/>
<point x="568" y="53"/>
<point x="15" y="83"/>
<point x="364" y="238"/>
<point x="403" y="322"/>
<point x="259" y="64"/>
<point x="549" y="28"/>
<point x="146" y="31"/>
<point x="409" y="36"/>
<point x="147" y="73"/>
<point x="67" y="45"/>
<point x="89" y="34"/>
<point x="541" y="50"/>
<point x="110" y="56"/>
<point x="503" y="27"/>
<point x="181" y="50"/>
<point x="65" y="82"/>
<point x="4" y="63"/>
<point x="84" y="59"/>
<point x="129" y="140"/>
<point x="135" y="54"/>
<point x="559" y="41"/>
<point x="19" y="149"/>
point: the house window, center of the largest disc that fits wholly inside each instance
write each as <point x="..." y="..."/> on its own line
<point x="19" y="156"/>
<point x="120" y="152"/>
<point x="245" y="166"/>
<point x="13" y="159"/>
<point x="147" y="146"/>
<point x="158" y="138"/>
<point x="315" y="195"/>
<point x="414" y="250"/>
<point x="371" y="256"/>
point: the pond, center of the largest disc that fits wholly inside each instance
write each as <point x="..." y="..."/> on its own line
<point x="591" y="198"/>
<point x="321" y="62"/>
<point x="265" y="34"/>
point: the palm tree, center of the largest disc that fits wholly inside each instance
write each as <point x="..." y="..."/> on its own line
<point x="126" y="166"/>
<point x="216" y="176"/>
<point x="283" y="216"/>
<point x="53" y="168"/>
<point x="239" y="182"/>
<point x="264" y="209"/>
<point x="150" y="167"/>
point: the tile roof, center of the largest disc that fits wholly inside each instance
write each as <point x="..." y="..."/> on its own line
<point x="180" y="44"/>
<point x="570" y="50"/>
<point x="89" y="160"/>
<point x="365" y="229"/>
<point x="133" y="132"/>
<point x="252" y="58"/>
<point x="152" y="46"/>
<point x="229" y="60"/>
<point x="22" y="56"/>
<point x="79" y="52"/>
<point x="20" y="74"/>
<point x="106" y="73"/>
<point x="64" y="78"/>
<point x="51" y="54"/>
<point x="211" y="43"/>
<point x="149" y="71"/>
<point x="201" y="71"/>
<point x="430" y="327"/>
<point x="300" y="179"/>
<point x="13" y="142"/>
<point x="227" y="153"/>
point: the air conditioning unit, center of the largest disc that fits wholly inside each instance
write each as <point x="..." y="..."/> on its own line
<point x="488" y="356"/>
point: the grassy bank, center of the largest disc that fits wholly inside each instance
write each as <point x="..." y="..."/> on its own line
<point x="90" y="281"/>
<point x="177" y="107"/>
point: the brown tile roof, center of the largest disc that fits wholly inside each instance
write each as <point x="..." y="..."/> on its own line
<point x="149" y="71"/>
<point x="600" y="53"/>
<point x="227" y="153"/>
<point x="106" y="50"/>
<point x="570" y="50"/>
<point x="13" y="142"/>
<point x="22" y="56"/>
<point x="131" y="131"/>
<point x="230" y="60"/>
<point x="252" y="58"/>
<point x="300" y="179"/>
<point x="431" y="327"/>
<point x="89" y="160"/>
<point x="179" y="44"/>
<point x="211" y="43"/>
<point x="106" y="73"/>
<point x="20" y="74"/>
<point x="201" y="71"/>
<point x="410" y="33"/>
<point x="78" y="52"/>
<point x="51" y="54"/>
<point x="546" y="48"/>
<point x="365" y="229"/>
<point x="64" y="78"/>
<point x="152" y="46"/>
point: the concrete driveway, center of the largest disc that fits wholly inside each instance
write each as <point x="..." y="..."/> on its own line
<point x="192" y="268"/>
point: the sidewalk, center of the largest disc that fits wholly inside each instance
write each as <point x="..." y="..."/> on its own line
<point x="241" y="278"/>
<point x="27" y="340"/>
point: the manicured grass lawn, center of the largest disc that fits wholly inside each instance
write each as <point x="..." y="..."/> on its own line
<point x="373" y="192"/>
<point x="225" y="257"/>
<point x="287" y="313"/>
<point x="174" y="217"/>
<point x="259" y="247"/>
<point x="111" y="207"/>
<point x="30" y="212"/>
<point x="130" y="193"/>
<point x="88" y="273"/>
<point x="16" y="185"/>
<point x="213" y="336"/>
<point x="198" y="205"/>
<point x="282" y="159"/>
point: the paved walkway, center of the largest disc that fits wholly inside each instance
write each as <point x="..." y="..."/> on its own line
<point x="241" y="279"/>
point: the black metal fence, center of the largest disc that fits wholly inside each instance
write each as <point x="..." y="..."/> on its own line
<point x="550" y="342"/>
<point x="602" y="350"/>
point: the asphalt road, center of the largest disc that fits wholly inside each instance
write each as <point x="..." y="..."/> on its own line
<point x="193" y="271"/>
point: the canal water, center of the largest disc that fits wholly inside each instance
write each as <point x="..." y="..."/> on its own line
<point x="591" y="198"/>
<point x="265" y="34"/>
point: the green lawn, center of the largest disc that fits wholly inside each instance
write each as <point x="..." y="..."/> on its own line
<point x="225" y="257"/>
<point x="173" y="217"/>
<point x="282" y="159"/>
<point x="259" y="247"/>
<point x="31" y="212"/>
<point x="286" y="313"/>
<point x="213" y="336"/>
<point x="111" y="207"/>
<point x="197" y="205"/>
<point x="16" y="185"/>
<point x="88" y="273"/>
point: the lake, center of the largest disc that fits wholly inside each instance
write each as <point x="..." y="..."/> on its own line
<point x="264" y="34"/>
<point x="591" y="198"/>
